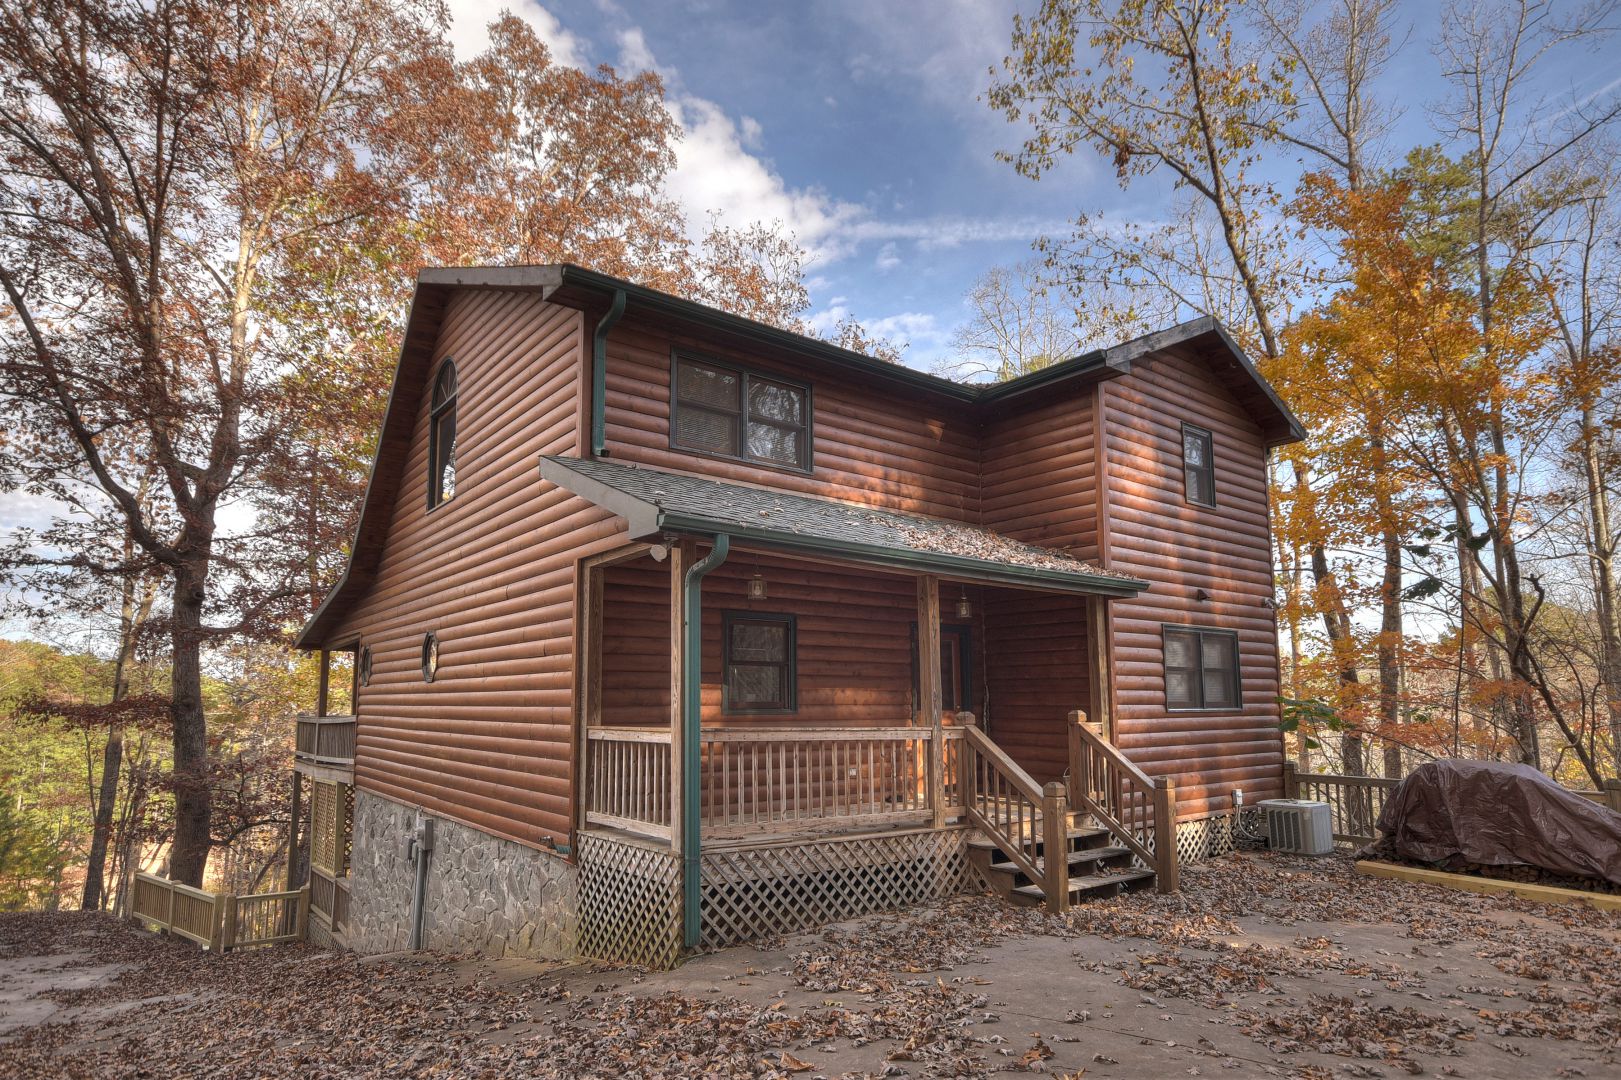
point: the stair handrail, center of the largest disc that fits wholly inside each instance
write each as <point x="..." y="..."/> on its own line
<point x="1098" y="772"/>
<point x="1051" y="801"/>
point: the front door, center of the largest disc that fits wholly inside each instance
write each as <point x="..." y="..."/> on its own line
<point x="956" y="686"/>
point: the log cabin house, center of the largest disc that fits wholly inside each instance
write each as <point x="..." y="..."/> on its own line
<point x="672" y="629"/>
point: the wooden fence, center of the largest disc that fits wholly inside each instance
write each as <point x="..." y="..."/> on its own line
<point x="220" y="921"/>
<point x="1355" y="802"/>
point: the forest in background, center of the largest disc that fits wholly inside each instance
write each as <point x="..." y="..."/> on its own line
<point x="213" y="212"/>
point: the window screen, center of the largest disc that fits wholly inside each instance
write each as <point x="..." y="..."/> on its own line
<point x="1201" y="668"/>
<point x="1198" y="465"/>
<point x="759" y="663"/>
<point x="734" y="413"/>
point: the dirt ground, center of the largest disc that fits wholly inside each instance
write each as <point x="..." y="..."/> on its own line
<point x="1264" y="965"/>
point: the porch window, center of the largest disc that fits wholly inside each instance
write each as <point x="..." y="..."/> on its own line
<point x="1198" y="465"/>
<point x="759" y="663"/>
<point x="729" y="412"/>
<point x="442" y="437"/>
<point x="1201" y="668"/>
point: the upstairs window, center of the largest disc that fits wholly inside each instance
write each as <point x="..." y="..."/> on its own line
<point x="442" y="437"/>
<point x="1201" y="668"/>
<point x="728" y="412"/>
<point x="759" y="663"/>
<point x="1198" y="465"/>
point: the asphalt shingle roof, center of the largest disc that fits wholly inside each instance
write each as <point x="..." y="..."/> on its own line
<point x="695" y="501"/>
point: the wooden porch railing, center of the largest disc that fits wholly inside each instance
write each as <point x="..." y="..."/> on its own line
<point x="325" y="740"/>
<point x="220" y="921"/>
<point x="1138" y="810"/>
<point x="768" y="779"/>
<point x="628" y="779"/>
<point x="1029" y="823"/>
<point x="783" y="779"/>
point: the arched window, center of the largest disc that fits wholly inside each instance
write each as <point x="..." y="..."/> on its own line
<point x="442" y="437"/>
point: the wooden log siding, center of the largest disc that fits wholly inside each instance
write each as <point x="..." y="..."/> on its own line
<point x="1035" y="664"/>
<point x="488" y="742"/>
<point x="1224" y="551"/>
<point x="853" y="634"/>
<point x="1039" y="477"/>
<point x="870" y="445"/>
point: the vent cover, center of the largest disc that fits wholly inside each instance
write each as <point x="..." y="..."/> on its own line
<point x="1299" y="826"/>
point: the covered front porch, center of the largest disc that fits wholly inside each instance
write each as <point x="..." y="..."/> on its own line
<point x="775" y="733"/>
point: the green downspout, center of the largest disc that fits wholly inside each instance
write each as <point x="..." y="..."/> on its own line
<point x="599" y="375"/>
<point x="692" y="624"/>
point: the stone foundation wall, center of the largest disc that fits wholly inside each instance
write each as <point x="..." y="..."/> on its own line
<point x="485" y="895"/>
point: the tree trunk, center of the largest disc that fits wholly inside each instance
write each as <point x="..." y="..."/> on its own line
<point x="192" y="797"/>
<point x="112" y="760"/>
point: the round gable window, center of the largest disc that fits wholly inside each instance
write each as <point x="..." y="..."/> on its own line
<point x="363" y="665"/>
<point x="430" y="656"/>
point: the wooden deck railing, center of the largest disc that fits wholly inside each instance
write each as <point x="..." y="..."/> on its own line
<point x="1029" y="823"/>
<point x="1356" y="802"/>
<point x="1138" y="810"/>
<point x="220" y="921"/>
<point x="326" y="740"/>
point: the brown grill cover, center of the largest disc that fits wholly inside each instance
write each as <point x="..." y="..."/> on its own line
<point x="1497" y="815"/>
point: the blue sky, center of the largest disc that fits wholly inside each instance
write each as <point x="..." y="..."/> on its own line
<point x="860" y="124"/>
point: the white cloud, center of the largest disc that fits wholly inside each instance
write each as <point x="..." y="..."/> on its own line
<point x="470" y="20"/>
<point x="887" y="259"/>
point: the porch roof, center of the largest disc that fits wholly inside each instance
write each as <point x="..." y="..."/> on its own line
<point x="654" y="502"/>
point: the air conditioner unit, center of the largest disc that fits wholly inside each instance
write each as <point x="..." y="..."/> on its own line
<point x="1299" y="826"/>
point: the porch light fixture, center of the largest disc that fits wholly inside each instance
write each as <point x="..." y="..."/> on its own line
<point x="757" y="586"/>
<point x="964" y="608"/>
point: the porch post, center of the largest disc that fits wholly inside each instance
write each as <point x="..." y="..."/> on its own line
<point x="321" y="687"/>
<point x="590" y="668"/>
<point x="929" y="694"/>
<point x="1100" y="669"/>
<point x="680" y="559"/>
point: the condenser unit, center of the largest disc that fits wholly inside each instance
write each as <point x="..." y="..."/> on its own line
<point x="1299" y="826"/>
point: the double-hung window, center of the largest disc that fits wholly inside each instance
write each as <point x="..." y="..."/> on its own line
<point x="730" y="412"/>
<point x="758" y="659"/>
<point x="1201" y="668"/>
<point x="1198" y="465"/>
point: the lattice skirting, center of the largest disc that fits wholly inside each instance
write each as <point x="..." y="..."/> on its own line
<point x="751" y="893"/>
<point x="1205" y="838"/>
<point x="630" y="902"/>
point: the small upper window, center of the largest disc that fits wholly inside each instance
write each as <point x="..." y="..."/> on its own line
<point x="442" y="437"/>
<point x="1201" y="668"/>
<point x="1198" y="465"/>
<point x="759" y="663"/>
<point x="734" y="413"/>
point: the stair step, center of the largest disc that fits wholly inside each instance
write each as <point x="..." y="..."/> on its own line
<point x="1086" y="833"/>
<point x="1090" y="885"/>
<point x="1076" y="858"/>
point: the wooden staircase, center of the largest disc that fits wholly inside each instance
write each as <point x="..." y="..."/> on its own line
<point x="1096" y="867"/>
<point x="1120" y="836"/>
